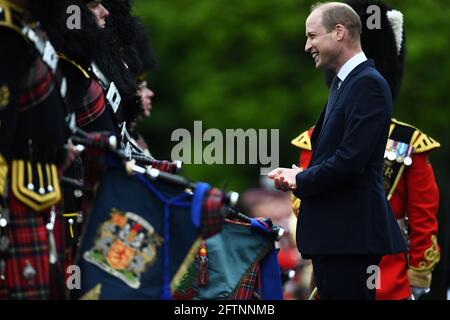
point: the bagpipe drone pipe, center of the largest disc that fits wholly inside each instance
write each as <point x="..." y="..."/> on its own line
<point x="152" y="234"/>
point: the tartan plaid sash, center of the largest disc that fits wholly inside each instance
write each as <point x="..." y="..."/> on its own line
<point x="44" y="76"/>
<point x="36" y="86"/>
<point x="94" y="104"/>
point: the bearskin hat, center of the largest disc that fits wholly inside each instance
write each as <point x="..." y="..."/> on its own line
<point x="384" y="43"/>
<point x="146" y="60"/>
<point x="81" y="44"/>
<point x="43" y="10"/>
<point x="114" y="56"/>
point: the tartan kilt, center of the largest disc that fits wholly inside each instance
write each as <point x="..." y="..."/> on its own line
<point x="29" y="244"/>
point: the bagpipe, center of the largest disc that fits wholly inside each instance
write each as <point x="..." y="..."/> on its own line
<point x="153" y="234"/>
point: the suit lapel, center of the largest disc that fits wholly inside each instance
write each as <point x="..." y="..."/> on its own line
<point x="353" y="73"/>
<point x="317" y="131"/>
<point x="321" y="123"/>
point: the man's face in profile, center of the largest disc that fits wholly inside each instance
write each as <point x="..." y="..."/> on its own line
<point x="99" y="11"/>
<point x="320" y="43"/>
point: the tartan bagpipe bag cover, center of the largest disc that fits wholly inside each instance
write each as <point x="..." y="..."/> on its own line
<point x="241" y="258"/>
<point x="140" y="237"/>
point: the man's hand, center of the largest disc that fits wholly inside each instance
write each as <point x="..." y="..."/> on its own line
<point x="284" y="178"/>
<point x="72" y="153"/>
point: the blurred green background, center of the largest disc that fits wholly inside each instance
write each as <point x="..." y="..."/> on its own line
<point x="241" y="64"/>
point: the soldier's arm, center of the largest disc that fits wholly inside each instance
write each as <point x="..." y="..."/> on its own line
<point x="422" y="208"/>
<point x="12" y="57"/>
<point x="12" y="63"/>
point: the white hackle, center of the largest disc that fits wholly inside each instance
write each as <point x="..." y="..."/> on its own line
<point x="395" y="18"/>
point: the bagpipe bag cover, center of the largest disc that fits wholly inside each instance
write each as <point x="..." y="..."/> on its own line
<point x="122" y="251"/>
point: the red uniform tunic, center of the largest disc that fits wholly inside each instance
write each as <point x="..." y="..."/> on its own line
<point x="416" y="197"/>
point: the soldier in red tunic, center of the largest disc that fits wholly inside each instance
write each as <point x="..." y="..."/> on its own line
<point x="409" y="179"/>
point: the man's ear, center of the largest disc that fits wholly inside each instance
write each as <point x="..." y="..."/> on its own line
<point x="340" y="32"/>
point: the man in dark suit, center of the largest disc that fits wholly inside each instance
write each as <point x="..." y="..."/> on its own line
<point x="345" y="224"/>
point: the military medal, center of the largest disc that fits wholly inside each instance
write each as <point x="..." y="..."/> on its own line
<point x="391" y="155"/>
<point x="408" y="160"/>
<point x="386" y="151"/>
<point x="401" y="148"/>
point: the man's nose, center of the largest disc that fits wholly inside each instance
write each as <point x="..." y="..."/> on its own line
<point x="104" y="11"/>
<point x="147" y="92"/>
<point x="307" y="46"/>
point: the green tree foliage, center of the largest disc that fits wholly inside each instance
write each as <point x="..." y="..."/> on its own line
<point x="241" y="64"/>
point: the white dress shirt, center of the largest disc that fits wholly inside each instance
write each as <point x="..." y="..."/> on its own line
<point x="351" y="64"/>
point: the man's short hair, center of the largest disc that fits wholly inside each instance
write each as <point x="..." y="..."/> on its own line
<point x="339" y="14"/>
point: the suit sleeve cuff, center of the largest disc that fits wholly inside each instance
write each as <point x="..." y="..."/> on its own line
<point x="299" y="181"/>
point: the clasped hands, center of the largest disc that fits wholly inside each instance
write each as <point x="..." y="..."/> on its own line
<point x="284" y="178"/>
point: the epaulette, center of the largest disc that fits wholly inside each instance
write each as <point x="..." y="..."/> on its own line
<point x="303" y="141"/>
<point x="420" y="141"/>
<point x="76" y="65"/>
<point x="424" y="143"/>
<point x="10" y="16"/>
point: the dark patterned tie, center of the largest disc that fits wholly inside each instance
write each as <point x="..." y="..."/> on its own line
<point x="331" y="98"/>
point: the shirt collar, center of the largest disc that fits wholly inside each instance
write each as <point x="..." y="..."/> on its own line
<point x="351" y="64"/>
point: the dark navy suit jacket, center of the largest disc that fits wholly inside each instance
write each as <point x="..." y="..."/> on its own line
<point x="344" y="209"/>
